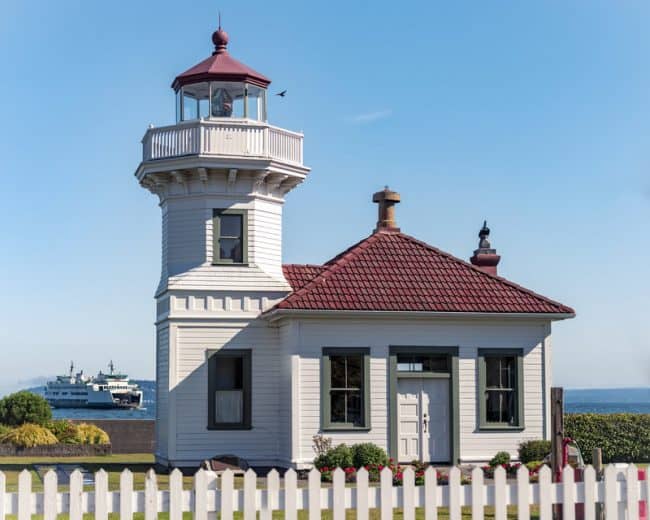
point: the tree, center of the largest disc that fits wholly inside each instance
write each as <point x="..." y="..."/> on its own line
<point x="24" y="407"/>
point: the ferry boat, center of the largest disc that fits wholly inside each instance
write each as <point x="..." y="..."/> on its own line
<point x="110" y="390"/>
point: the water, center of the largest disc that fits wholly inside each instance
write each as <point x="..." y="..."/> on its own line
<point x="596" y="400"/>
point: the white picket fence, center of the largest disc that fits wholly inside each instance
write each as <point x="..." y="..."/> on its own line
<point x="620" y="492"/>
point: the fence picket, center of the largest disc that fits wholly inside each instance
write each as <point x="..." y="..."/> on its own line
<point x="477" y="494"/>
<point x="545" y="501"/>
<point x="101" y="495"/>
<point x="314" y="494"/>
<point x="454" y="494"/>
<point x="568" y="493"/>
<point x="290" y="491"/>
<point x="589" y="482"/>
<point x="430" y="494"/>
<point x="362" y="494"/>
<point x="176" y="495"/>
<point x="272" y="492"/>
<point x="227" y="487"/>
<point x="386" y="484"/>
<point x="24" y="495"/>
<point x="76" y="495"/>
<point x="523" y="493"/>
<point x="200" y="495"/>
<point x="250" y="487"/>
<point x="338" y="497"/>
<point x="408" y="485"/>
<point x="150" y="496"/>
<point x="3" y="488"/>
<point x="49" y="496"/>
<point x="126" y="495"/>
<point x="632" y="481"/>
<point x="611" y="505"/>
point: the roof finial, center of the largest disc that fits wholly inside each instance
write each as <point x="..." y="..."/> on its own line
<point x="483" y="234"/>
<point x="220" y="39"/>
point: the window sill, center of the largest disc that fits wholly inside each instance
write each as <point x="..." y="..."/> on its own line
<point x="228" y="427"/>
<point x="233" y="264"/>
<point x="500" y="428"/>
<point x="346" y="429"/>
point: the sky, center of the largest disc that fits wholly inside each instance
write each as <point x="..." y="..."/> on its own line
<point x="532" y="115"/>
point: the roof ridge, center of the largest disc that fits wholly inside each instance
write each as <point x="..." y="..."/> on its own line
<point x="485" y="273"/>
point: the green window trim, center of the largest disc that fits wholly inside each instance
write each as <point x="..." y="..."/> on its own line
<point x="213" y="358"/>
<point x="454" y="393"/>
<point x="519" y="423"/>
<point x="326" y="378"/>
<point x="216" y="236"/>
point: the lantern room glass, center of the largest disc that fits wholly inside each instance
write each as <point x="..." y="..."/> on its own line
<point x="220" y="99"/>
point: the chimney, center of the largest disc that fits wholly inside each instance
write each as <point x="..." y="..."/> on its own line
<point x="485" y="258"/>
<point x="386" y="201"/>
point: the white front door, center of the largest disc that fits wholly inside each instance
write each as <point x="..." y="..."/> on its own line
<point x="423" y="419"/>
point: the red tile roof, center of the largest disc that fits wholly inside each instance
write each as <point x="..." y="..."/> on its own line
<point x="391" y="271"/>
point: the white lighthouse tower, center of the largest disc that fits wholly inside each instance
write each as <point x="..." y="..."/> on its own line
<point x="221" y="173"/>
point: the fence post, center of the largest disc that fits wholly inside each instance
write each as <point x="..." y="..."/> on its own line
<point x="597" y="459"/>
<point x="49" y="496"/>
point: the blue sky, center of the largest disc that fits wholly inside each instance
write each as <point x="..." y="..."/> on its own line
<point x="534" y="115"/>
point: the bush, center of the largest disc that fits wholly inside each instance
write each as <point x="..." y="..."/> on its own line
<point x="533" y="450"/>
<point x="91" y="434"/>
<point x="29" y="435"/>
<point x="338" y="457"/>
<point x="24" y="407"/>
<point x="501" y="458"/>
<point x="623" y="437"/>
<point x="368" y="453"/>
<point x="65" y="431"/>
<point x="4" y="429"/>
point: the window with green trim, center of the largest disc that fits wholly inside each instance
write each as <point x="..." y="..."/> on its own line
<point x="229" y="390"/>
<point x="501" y="388"/>
<point x="229" y="230"/>
<point x="345" y="394"/>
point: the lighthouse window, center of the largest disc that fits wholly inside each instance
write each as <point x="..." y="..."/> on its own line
<point x="229" y="236"/>
<point x="229" y="390"/>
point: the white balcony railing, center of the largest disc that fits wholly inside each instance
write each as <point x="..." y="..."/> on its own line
<point x="219" y="137"/>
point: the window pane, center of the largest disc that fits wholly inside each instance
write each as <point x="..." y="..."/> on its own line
<point x="492" y="372"/>
<point x="229" y="373"/>
<point x="227" y="99"/>
<point x="354" y="371"/>
<point x="189" y="107"/>
<point x="230" y="225"/>
<point x="422" y="363"/>
<point x="337" y="406"/>
<point x="337" y="370"/>
<point x="354" y="408"/>
<point x="499" y="406"/>
<point x="230" y="248"/>
<point x="229" y="406"/>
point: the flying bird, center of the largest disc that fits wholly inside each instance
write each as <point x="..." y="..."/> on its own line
<point x="282" y="94"/>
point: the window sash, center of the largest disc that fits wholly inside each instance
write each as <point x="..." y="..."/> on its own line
<point x="348" y="391"/>
<point x="510" y="381"/>
<point x="230" y="408"/>
<point x="217" y="236"/>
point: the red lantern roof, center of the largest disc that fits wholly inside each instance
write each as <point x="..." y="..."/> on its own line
<point x="220" y="67"/>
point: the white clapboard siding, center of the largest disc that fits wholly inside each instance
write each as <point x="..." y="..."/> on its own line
<point x="379" y="335"/>
<point x="621" y="493"/>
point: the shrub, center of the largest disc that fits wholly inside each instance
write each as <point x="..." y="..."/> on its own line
<point x="338" y="457"/>
<point x="4" y="429"/>
<point x="65" y="431"/>
<point x="533" y="450"/>
<point x="29" y="435"/>
<point x="500" y="459"/>
<point x="623" y="437"/>
<point x="91" y="434"/>
<point x="368" y="453"/>
<point x="24" y="407"/>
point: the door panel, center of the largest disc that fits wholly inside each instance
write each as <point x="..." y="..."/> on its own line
<point x="423" y="420"/>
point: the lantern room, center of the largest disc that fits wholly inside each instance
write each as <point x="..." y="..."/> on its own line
<point x="221" y="87"/>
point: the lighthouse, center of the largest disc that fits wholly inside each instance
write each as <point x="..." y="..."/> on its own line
<point x="221" y="172"/>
